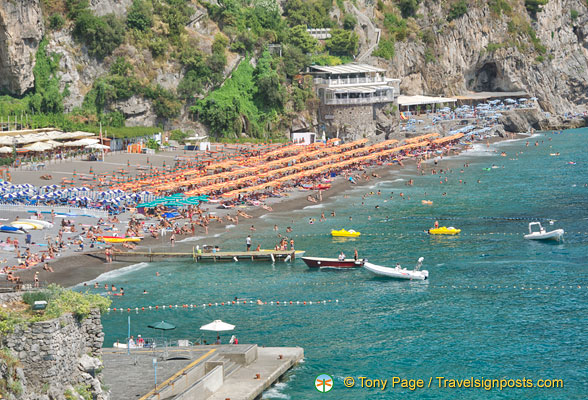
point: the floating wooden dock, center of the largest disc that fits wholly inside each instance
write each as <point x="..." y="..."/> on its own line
<point x="218" y="256"/>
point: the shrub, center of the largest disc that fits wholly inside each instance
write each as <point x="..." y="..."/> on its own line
<point x="396" y="26"/>
<point x="179" y="135"/>
<point x="56" y="22"/>
<point x="408" y="8"/>
<point x="457" y="10"/>
<point x="385" y="49"/>
<point x="574" y="14"/>
<point x="500" y="6"/>
<point x="140" y="16"/>
<point x="101" y="35"/>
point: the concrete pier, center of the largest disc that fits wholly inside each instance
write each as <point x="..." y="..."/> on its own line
<point x="199" y="257"/>
<point x="236" y="372"/>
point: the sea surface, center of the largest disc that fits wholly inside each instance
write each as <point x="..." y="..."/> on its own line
<point x="496" y="306"/>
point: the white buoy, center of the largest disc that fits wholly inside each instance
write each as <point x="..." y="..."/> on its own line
<point x="273" y="258"/>
<point x="288" y="258"/>
<point x="236" y="259"/>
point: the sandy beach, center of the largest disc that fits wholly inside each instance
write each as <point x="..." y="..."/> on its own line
<point x="73" y="266"/>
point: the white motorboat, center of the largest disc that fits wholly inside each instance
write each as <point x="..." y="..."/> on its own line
<point x="398" y="272"/>
<point x="542" y="234"/>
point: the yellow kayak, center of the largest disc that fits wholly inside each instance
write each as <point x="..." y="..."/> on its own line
<point x="444" y="231"/>
<point x="118" y="239"/>
<point x="345" y="233"/>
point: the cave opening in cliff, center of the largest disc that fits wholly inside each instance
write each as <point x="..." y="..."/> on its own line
<point x="486" y="78"/>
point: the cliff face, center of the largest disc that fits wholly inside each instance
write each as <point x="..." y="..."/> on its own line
<point x="462" y="60"/>
<point x="21" y="30"/>
<point x="479" y="51"/>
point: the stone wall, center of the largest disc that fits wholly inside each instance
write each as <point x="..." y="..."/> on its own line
<point x="352" y="122"/>
<point x="58" y="354"/>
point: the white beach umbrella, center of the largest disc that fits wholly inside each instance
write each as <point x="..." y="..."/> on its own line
<point x="6" y="150"/>
<point x="217" y="326"/>
<point x="39" y="147"/>
<point x="97" y="146"/>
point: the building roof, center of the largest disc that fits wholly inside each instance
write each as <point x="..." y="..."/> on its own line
<point x="347" y="69"/>
<point x="489" y="95"/>
<point x="419" y="100"/>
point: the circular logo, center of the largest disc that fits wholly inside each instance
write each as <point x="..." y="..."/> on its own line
<point x="323" y="383"/>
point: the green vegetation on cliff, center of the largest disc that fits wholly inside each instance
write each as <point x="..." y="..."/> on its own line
<point x="59" y="302"/>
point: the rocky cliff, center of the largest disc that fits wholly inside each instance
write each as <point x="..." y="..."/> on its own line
<point x="493" y="46"/>
<point x="21" y="30"/>
<point x="488" y="51"/>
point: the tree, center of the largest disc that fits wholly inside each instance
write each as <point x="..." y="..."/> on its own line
<point x="300" y="38"/>
<point x="294" y="60"/>
<point x="343" y="42"/>
<point x="269" y="90"/>
<point x="47" y="97"/>
<point x="349" y="22"/>
<point x="100" y="34"/>
<point x="535" y="6"/>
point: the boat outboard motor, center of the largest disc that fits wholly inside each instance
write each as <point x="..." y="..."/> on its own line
<point x="419" y="263"/>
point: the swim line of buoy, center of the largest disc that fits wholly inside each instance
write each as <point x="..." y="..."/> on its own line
<point x="216" y="304"/>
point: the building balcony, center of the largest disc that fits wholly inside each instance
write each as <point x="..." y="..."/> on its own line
<point x="358" y="100"/>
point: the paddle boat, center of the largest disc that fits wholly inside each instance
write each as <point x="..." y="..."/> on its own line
<point x="46" y="224"/>
<point x="345" y="233"/>
<point x="319" y="262"/>
<point x="542" y="234"/>
<point x="116" y="239"/>
<point x="27" y="225"/>
<point x="398" y="272"/>
<point x="443" y="230"/>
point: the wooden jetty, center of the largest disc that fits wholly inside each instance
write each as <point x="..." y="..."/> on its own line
<point x="272" y="255"/>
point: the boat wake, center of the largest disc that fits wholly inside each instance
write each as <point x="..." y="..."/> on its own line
<point x="191" y="239"/>
<point x="275" y="392"/>
<point x="110" y="275"/>
<point x="314" y="206"/>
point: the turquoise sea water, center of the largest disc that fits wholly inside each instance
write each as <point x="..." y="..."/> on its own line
<point x="496" y="305"/>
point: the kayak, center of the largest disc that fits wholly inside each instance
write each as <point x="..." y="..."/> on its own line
<point x="345" y="233"/>
<point x="444" y="231"/>
<point x="116" y="239"/>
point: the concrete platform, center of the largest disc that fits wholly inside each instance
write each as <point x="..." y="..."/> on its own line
<point x="243" y="385"/>
<point x="238" y="372"/>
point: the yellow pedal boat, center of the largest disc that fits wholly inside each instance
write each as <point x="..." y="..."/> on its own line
<point x="443" y="230"/>
<point x="345" y="233"/>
